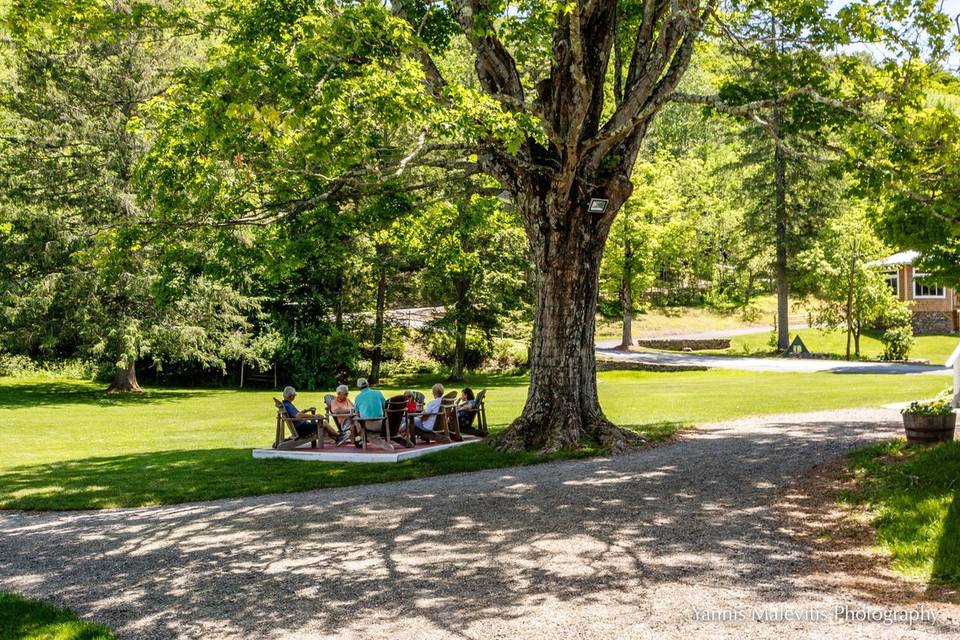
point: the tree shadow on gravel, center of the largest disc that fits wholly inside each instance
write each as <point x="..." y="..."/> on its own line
<point x="633" y="539"/>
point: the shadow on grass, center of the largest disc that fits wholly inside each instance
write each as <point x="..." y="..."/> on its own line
<point x="171" y="477"/>
<point x="64" y="392"/>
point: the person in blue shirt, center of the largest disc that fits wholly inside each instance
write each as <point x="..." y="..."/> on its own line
<point x="306" y="427"/>
<point x="369" y="403"/>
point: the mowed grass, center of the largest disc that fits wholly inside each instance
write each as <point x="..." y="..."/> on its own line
<point x="68" y="445"/>
<point x="694" y="319"/>
<point x="915" y="496"/>
<point x="935" y="348"/>
<point x="24" y="619"/>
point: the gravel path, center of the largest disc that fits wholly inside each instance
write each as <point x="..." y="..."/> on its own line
<point x="637" y="546"/>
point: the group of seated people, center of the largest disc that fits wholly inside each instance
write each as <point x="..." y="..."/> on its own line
<point x="370" y="403"/>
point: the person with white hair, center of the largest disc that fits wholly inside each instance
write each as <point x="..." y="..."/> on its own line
<point x="423" y="425"/>
<point x="304" y="427"/>
<point x="343" y="411"/>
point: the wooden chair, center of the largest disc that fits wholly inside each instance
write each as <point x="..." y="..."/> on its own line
<point x="448" y="407"/>
<point x="338" y="418"/>
<point x="377" y="426"/>
<point x="441" y="425"/>
<point x="284" y="422"/>
<point x="396" y="418"/>
<point x="479" y="413"/>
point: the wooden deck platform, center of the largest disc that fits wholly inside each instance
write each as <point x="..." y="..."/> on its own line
<point x="349" y="453"/>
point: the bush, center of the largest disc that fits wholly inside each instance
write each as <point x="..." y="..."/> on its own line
<point x="509" y="356"/>
<point x="16" y="366"/>
<point x="23" y="366"/>
<point x="442" y="345"/>
<point x="407" y="366"/>
<point x="897" y="342"/>
<point x="318" y="355"/>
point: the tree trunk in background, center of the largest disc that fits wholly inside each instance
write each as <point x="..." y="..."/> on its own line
<point x="125" y="380"/>
<point x="626" y="290"/>
<point x="460" y="331"/>
<point x="377" y="355"/>
<point x="780" y="213"/>
<point x="338" y="304"/>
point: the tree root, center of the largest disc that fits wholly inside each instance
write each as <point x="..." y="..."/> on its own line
<point x="616" y="440"/>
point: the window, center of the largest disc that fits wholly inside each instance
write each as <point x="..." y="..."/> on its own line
<point x="922" y="290"/>
<point x="893" y="281"/>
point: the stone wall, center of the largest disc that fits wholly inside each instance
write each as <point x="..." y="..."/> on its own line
<point x="681" y="344"/>
<point x="927" y="322"/>
<point x="633" y="365"/>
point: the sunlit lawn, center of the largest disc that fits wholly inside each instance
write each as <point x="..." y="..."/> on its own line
<point x="67" y="445"/>
<point x="24" y="619"/>
<point x="935" y="348"/>
<point x="694" y="319"/>
<point x="915" y="497"/>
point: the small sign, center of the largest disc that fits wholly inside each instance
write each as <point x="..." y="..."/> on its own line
<point x="798" y="349"/>
<point x="597" y="205"/>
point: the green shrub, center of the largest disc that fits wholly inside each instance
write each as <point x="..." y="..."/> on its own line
<point x="16" y="366"/>
<point x="22" y="366"/>
<point x="509" y="355"/>
<point x="441" y="347"/>
<point x="897" y="342"/>
<point x="318" y="356"/>
<point x="408" y="366"/>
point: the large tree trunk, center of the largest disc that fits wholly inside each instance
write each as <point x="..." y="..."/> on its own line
<point x="125" y="379"/>
<point x="562" y="405"/>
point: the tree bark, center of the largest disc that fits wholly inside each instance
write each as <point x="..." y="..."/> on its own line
<point x="460" y="333"/>
<point x="626" y="290"/>
<point x="780" y="213"/>
<point x="377" y="356"/>
<point x="562" y="406"/>
<point x="125" y="379"/>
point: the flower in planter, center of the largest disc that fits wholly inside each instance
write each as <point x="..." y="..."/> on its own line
<point x="933" y="408"/>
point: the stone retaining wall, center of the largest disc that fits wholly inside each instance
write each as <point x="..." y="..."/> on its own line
<point x="681" y="344"/>
<point x="927" y="322"/>
<point x="632" y="365"/>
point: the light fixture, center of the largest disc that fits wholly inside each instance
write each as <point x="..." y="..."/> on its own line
<point x="597" y="205"/>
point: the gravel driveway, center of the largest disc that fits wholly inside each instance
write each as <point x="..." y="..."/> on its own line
<point x="638" y="546"/>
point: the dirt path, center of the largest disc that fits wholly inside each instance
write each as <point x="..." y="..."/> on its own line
<point x="680" y="541"/>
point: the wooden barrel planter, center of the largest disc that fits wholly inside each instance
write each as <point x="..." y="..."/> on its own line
<point x="929" y="429"/>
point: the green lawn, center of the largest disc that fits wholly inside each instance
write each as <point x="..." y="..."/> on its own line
<point x="695" y="319"/>
<point x="23" y="619"/>
<point x="915" y="494"/>
<point x="935" y="348"/>
<point x="67" y="445"/>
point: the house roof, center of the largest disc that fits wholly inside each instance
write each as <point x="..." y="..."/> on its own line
<point x="897" y="259"/>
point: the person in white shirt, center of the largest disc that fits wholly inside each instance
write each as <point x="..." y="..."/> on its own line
<point x="423" y="425"/>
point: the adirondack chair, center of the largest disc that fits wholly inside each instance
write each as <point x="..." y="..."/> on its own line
<point x="448" y="407"/>
<point x="285" y="422"/>
<point x="479" y="413"/>
<point x="441" y="423"/>
<point x="376" y="426"/>
<point x="396" y="418"/>
<point x="338" y="419"/>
